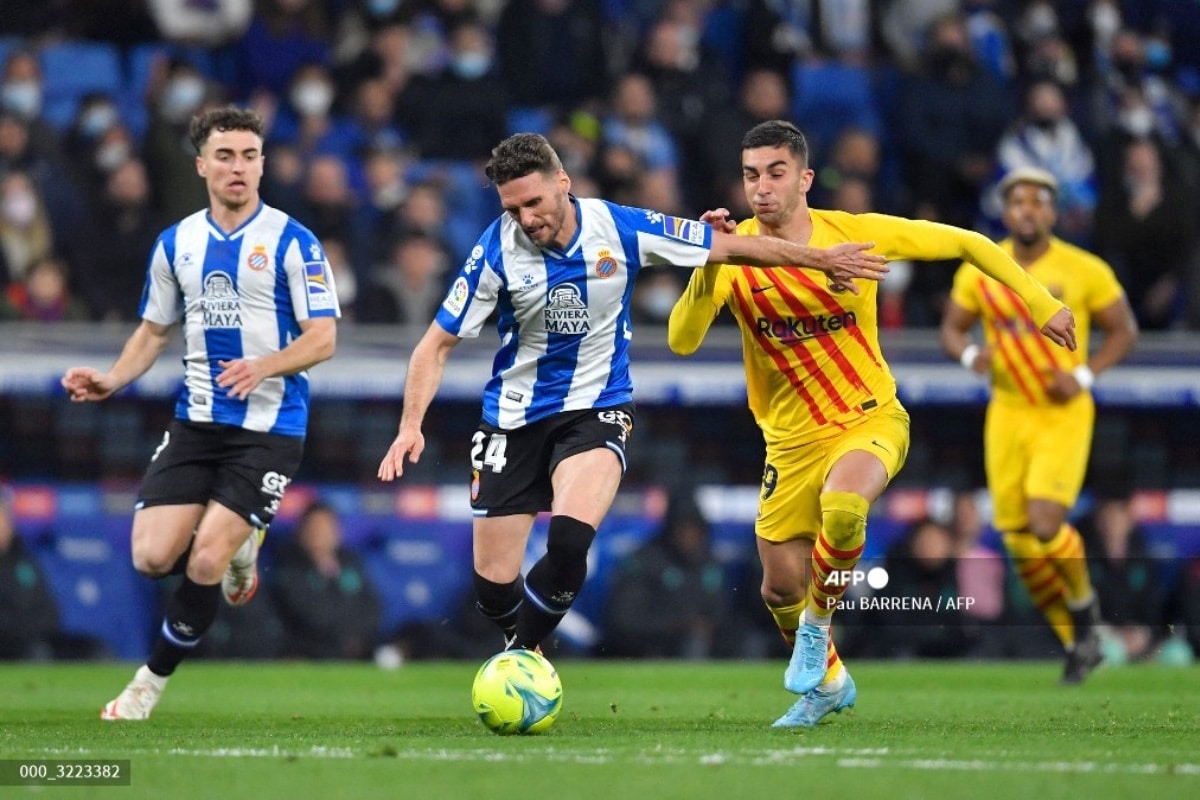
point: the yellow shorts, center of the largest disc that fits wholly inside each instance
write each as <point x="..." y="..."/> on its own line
<point x="1038" y="453"/>
<point x="789" y="504"/>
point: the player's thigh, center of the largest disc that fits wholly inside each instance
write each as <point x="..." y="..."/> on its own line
<point x="1058" y="457"/>
<point x="789" y="501"/>
<point x="866" y="458"/>
<point x="220" y="533"/>
<point x="1006" y="463"/>
<point x="587" y="461"/>
<point x="161" y="534"/>
<point x="254" y="472"/>
<point x="498" y="545"/>
<point x="510" y="470"/>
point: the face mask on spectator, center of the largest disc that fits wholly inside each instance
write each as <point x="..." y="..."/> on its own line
<point x="111" y="156"/>
<point x="1158" y="54"/>
<point x="182" y="96"/>
<point x="382" y="8"/>
<point x="19" y="208"/>
<point x="471" y="66"/>
<point x="23" y="97"/>
<point x="658" y="301"/>
<point x="96" y="120"/>
<point x="312" y="98"/>
<point x="1137" y="121"/>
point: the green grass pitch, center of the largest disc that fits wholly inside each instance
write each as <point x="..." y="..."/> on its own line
<point x="627" y="730"/>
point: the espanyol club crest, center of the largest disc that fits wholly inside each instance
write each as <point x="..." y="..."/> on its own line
<point x="258" y="260"/>
<point x="606" y="265"/>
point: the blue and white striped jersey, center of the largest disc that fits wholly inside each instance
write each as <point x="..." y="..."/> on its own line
<point x="564" y="314"/>
<point x="239" y="295"/>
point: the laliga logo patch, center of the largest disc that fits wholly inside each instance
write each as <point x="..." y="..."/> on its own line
<point x="687" y="230"/>
<point x="606" y="265"/>
<point x="320" y="298"/>
<point x="258" y="260"/>
<point x="456" y="300"/>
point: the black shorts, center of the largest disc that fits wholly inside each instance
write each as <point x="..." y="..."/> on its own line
<point x="510" y="470"/>
<point x="245" y="471"/>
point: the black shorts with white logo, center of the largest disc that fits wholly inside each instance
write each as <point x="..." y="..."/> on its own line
<point x="510" y="470"/>
<point x="245" y="471"/>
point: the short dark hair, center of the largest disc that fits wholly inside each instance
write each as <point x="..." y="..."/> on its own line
<point x="778" y="133"/>
<point x="226" y="118"/>
<point x="519" y="155"/>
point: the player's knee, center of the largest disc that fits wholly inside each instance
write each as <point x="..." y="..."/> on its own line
<point x="151" y="561"/>
<point x="569" y="539"/>
<point x="844" y="518"/>
<point x="1022" y="546"/>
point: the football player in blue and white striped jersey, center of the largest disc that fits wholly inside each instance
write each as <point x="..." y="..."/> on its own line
<point x="254" y="295"/>
<point x="558" y="411"/>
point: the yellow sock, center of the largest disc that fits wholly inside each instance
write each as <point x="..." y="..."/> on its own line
<point x="833" y="662"/>
<point x="838" y="548"/>
<point x="787" y="618"/>
<point x="1043" y="582"/>
<point x="1065" y="552"/>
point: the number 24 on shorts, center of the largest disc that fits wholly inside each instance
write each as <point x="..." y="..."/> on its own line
<point x="492" y="450"/>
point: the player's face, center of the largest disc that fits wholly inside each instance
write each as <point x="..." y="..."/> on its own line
<point x="231" y="164"/>
<point x="775" y="184"/>
<point x="1029" y="213"/>
<point x="539" y="203"/>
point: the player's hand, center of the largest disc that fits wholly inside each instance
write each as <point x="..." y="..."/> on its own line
<point x="1062" y="386"/>
<point x="845" y="262"/>
<point x="983" y="361"/>
<point x="1061" y="328"/>
<point x="719" y="219"/>
<point x="240" y="377"/>
<point x="85" y="384"/>
<point x="408" y="443"/>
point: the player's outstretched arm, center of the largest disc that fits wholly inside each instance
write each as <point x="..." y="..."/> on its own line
<point x="426" y="366"/>
<point x="842" y="263"/>
<point x="141" y="350"/>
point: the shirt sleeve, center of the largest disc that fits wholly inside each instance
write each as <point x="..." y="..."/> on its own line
<point x="475" y="291"/>
<point x="310" y="280"/>
<point x="965" y="291"/>
<point x="663" y="240"/>
<point x="1104" y="289"/>
<point x="162" y="299"/>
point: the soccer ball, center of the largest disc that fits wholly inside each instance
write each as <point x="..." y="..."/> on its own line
<point x="517" y="691"/>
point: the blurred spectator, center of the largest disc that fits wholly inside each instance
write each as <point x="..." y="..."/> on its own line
<point x="22" y="93"/>
<point x="909" y="621"/>
<point x="328" y="206"/>
<point x="307" y="121"/>
<point x="552" y="53"/>
<point x="636" y="144"/>
<point x="459" y="112"/>
<point x="283" y="179"/>
<point x="668" y="598"/>
<point x="125" y="220"/>
<point x="372" y="120"/>
<point x="407" y="289"/>
<point x="385" y="55"/>
<point x="690" y="84"/>
<point x="762" y="96"/>
<point x="1145" y="228"/>
<point x="776" y="33"/>
<point x="43" y="295"/>
<point x="283" y="36"/>
<point x="327" y="605"/>
<point x="175" y="91"/>
<point x="343" y="275"/>
<point x="25" y="233"/>
<point x="1124" y="574"/>
<point x="980" y="574"/>
<point x="422" y="211"/>
<point x="210" y="23"/>
<point x="654" y="295"/>
<point x="1046" y="137"/>
<point x="1134" y="94"/>
<point x="20" y="152"/>
<point x="904" y="25"/>
<point x="952" y="115"/>
<point x="96" y="115"/>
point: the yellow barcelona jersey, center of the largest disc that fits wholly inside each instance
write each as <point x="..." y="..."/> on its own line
<point x="812" y="356"/>
<point x="1023" y="359"/>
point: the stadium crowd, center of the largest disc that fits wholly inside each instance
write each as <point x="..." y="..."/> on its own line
<point x="381" y="113"/>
